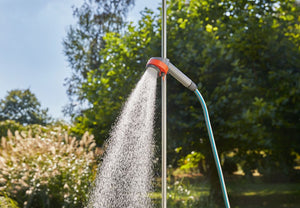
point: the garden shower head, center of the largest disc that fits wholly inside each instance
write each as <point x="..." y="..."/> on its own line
<point x="165" y="66"/>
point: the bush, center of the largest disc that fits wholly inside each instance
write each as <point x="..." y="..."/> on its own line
<point x="9" y="125"/>
<point x="33" y="129"/>
<point x="182" y="194"/>
<point x="6" y="202"/>
<point x="49" y="170"/>
<point x="192" y="161"/>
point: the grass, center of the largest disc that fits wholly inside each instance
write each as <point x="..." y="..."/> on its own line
<point x="265" y="195"/>
<point x="242" y="193"/>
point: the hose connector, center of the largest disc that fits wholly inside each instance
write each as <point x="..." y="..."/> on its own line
<point x="165" y="66"/>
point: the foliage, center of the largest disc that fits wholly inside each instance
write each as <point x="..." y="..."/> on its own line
<point x="84" y="41"/>
<point x="182" y="193"/>
<point x="51" y="169"/>
<point x="107" y="87"/>
<point x="9" y="125"/>
<point x="35" y="129"/>
<point x="192" y="161"/>
<point x="246" y="67"/>
<point x="6" y="202"/>
<point x="22" y="106"/>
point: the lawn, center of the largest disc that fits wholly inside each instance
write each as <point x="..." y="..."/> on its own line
<point x="242" y="194"/>
<point x="265" y="195"/>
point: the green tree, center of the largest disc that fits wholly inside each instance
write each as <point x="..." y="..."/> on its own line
<point x="107" y="87"/>
<point x="245" y="59"/>
<point x="22" y="106"/>
<point x="85" y="40"/>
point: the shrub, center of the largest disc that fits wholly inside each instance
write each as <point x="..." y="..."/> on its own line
<point x="49" y="170"/>
<point x="9" y="125"/>
<point x="191" y="162"/>
<point x="6" y="202"/>
<point x="183" y="195"/>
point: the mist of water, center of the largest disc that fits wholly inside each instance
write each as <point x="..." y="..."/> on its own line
<point x="124" y="178"/>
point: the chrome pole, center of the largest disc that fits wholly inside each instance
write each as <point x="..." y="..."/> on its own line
<point x="164" y="106"/>
<point x="164" y="30"/>
<point x="164" y="140"/>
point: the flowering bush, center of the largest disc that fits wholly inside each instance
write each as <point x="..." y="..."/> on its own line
<point x="184" y="195"/>
<point x="6" y="202"/>
<point x="9" y="125"/>
<point x="49" y="170"/>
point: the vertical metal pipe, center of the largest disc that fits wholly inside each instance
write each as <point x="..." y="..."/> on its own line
<point x="164" y="105"/>
<point x="164" y="140"/>
<point x="164" y="30"/>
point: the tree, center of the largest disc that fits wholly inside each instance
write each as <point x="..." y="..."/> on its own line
<point x="84" y="42"/>
<point x="23" y="106"/>
<point x="107" y="87"/>
<point x="245" y="59"/>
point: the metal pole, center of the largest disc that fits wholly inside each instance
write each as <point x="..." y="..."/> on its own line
<point x="164" y="106"/>
<point x="164" y="140"/>
<point x="164" y="30"/>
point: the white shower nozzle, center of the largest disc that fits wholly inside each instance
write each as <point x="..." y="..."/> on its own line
<point x="165" y="66"/>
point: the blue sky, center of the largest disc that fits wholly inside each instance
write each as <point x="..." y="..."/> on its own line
<point x="31" y="51"/>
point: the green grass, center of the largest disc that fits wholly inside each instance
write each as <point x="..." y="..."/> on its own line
<point x="194" y="192"/>
<point x="265" y="195"/>
<point x="242" y="194"/>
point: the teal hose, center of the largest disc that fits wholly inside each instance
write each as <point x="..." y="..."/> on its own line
<point x="213" y="147"/>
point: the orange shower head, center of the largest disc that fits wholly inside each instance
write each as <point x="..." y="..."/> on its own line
<point x="165" y="66"/>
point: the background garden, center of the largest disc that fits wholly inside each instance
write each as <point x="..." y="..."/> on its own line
<point x="243" y="55"/>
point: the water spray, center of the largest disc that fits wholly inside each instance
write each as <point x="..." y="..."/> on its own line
<point x="163" y="67"/>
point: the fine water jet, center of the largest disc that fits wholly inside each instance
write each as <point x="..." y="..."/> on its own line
<point x="125" y="175"/>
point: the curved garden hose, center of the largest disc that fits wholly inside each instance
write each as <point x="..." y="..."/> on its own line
<point x="213" y="146"/>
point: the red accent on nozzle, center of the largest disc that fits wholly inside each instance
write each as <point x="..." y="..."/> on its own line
<point x="159" y="64"/>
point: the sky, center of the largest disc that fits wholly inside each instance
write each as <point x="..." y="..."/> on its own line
<point x="31" y="50"/>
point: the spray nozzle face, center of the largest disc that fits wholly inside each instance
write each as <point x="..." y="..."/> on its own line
<point x="159" y="64"/>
